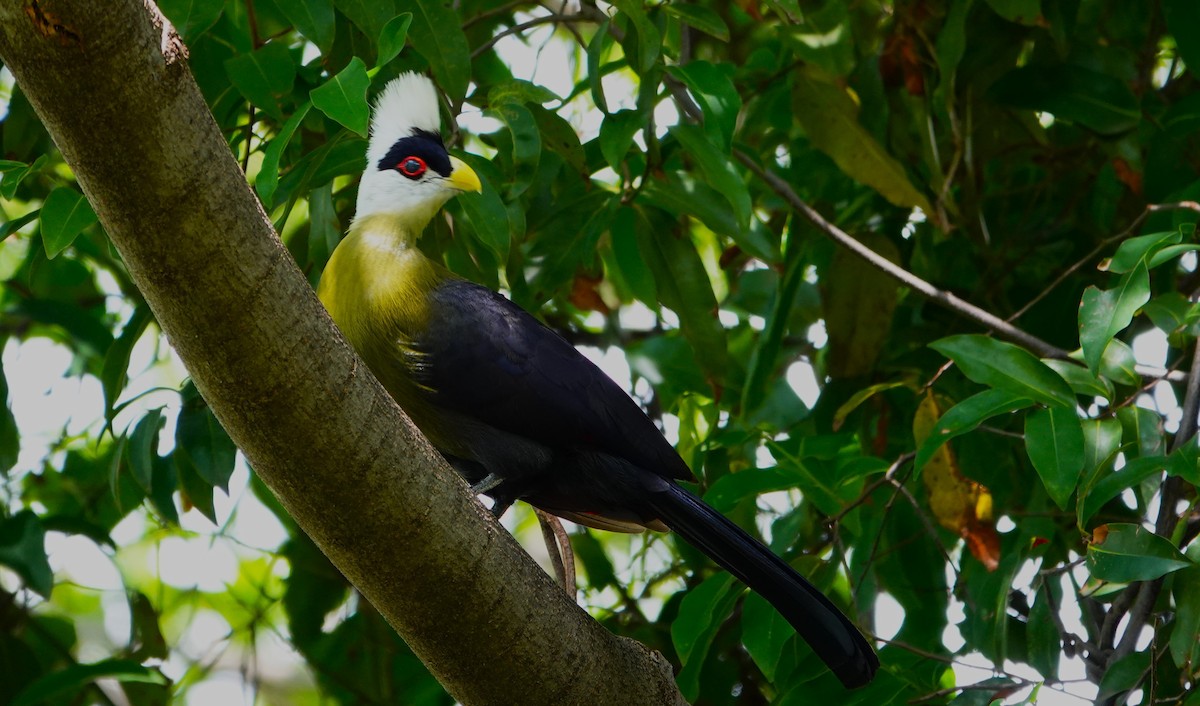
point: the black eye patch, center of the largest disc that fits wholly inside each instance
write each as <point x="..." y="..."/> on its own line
<point x="423" y="144"/>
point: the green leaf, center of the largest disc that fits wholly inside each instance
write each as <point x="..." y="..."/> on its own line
<point x="263" y="76"/>
<point x="1183" y="21"/>
<point x="851" y="404"/>
<point x="1110" y="485"/>
<point x="15" y="175"/>
<point x="764" y="633"/>
<point x="10" y="438"/>
<point x="1119" y="365"/>
<point x="644" y="53"/>
<point x="165" y="481"/>
<point x="436" y="32"/>
<point x="143" y="448"/>
<point x="712" y="86"/>
<point x="616" y="135"/>
<point x="344" y="97"/>
<point x="1026" y="12"/>
<point x="65" y="214"/>
<point x="1185" y="462"/>
<point x="1185" y="633"/>
<point x="1045" y="643"/>
<point x="966" y="416"/>
<point x="313" y="18"/>
<point x="393" y="37"/>
<point x="683" y="286"/>
<point x="23" y="549"/>
<point x="1101" y="441"/>
<point x="268" y="174"/>
<point x="1129" y="552"/>
<point x="858" y="319"/>
<point x="718" y="170"/>
<point x="369" y="16"/>
<point x="1006" y="367"/>
<point x="146" y="640"/>
<point x="201" y="437"/>
<point x="765" y="357"/>
<point x="115" y="372"/>
<point x="701" y="613"/>
<point x="1081" y="380"/>
<point x="952" y="43"/>
<point x="701" y="18"/>
<point x="1095" y="100"/>
<point x="526" y="144"/>
<point x="486" y="211"/>
<point x="1145" y="427"/>
<point x="830" y="119"/>
<point x="7" y="228"/>
<point x="1054" y="441"/>
<point x="732" y="488"/>
<point x="192" y="17"/>
<point x="628" y="258"/>
<point x="69" y="680"/>
<point x="1123" y="675"/>
<point x="595" y="52"/>
<point x="1105" y="313"/>
<point x="1135" y="251"/>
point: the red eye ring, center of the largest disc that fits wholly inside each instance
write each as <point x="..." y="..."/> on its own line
<point x="412" y="167"/>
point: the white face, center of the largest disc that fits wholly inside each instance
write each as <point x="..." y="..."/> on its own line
<point x="412" y="179"/>
<point x="409" y="173"/>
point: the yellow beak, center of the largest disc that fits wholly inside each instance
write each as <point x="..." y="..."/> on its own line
<point x="462" y="177"/>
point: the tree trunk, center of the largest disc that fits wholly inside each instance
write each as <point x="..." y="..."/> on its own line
<point x="111" y="83"/>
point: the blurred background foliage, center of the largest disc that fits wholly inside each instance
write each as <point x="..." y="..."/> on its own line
<point x="1004" y="150"/>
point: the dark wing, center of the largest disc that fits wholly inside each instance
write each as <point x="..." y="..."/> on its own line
<point x="489" y="359"/>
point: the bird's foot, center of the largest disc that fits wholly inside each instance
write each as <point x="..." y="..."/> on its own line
<point x="490" y="481"/>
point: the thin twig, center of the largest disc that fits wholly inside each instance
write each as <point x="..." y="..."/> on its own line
<point x="518" y="28"/>
<point x="1104" y="245"/>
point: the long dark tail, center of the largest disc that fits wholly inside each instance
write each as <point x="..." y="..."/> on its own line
<point x="830" y="633"/>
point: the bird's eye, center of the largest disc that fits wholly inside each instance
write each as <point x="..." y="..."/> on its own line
<point x="412" y="167"/>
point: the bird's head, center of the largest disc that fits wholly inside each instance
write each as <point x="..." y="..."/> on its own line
<point x="409" y="172"/>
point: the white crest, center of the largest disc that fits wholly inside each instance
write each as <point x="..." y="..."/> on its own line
<point x="406" y="102"/>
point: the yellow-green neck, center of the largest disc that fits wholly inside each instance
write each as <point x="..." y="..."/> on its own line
<point x="377" y="282"/>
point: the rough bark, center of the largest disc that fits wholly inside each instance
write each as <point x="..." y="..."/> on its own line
<point x="111" y="83"/>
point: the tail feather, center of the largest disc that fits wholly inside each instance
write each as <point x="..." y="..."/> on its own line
<point x="831" y="635"/>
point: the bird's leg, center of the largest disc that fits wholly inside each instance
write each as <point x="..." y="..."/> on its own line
<point x="559" y="546"/>
<point x="490" y="481"/>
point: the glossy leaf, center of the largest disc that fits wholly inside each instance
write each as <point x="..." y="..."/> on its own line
<point x="23" y="549"/>
<point x="1081" y="380"/>
<point x="701" y="18"/>
<point x="966" y="416"/>
<point x="143" y="448"/>
<point x="830" y="118"/>
<point x="648" y="37"/>
<point x="10" y="439"/>
<point x="858" y="319"/>
<point x="204" y="442"/>
<point x="712" y="86"/>
<point x="7" y="228"/>
<point x="1185" y="635"/>
<point x="1183" y="20"/>
<point x="393" y="37"/>
<point x="64" y="215"/>
<point x="764" y="633"/>
<point x="1139" y="250"/>
<point x="1004" y="366"/>
<point x="344" y="97"/>
<point x="1054" y="440"/>
<point x="268" y="174"/>
<point x="369" y="16"/>
<point x="116" y="361"/>
<point x="192" y="17"/>
<point x="1123" y="553"/>
<point x="1098" y="101"/>
<point x="1109" y="484"/>
<point x="486" y="211"/>
<point x="718" y="171"/>
<point x="263" y="77"/>
<point x="436" y="33"/>
<point x="1105" y="313"/>
<point x="526" y="144"/>
<point x="701" y="612"/>
<point x="616" y="135"/>
<point x="1026" y="12"/>
<point x="314" y="19"/>
<point x="71" y="679"/>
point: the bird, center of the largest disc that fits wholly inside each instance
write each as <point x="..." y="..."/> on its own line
<point x="513" y="407"/>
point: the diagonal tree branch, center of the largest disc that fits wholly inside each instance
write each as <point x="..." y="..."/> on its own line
<point x="111" y="84"/>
